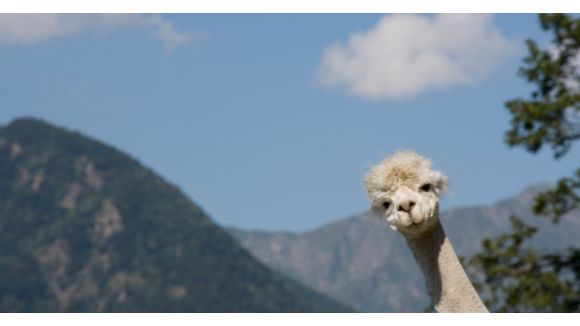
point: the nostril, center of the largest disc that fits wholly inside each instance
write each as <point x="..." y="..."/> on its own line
<point x="406" y="206"/>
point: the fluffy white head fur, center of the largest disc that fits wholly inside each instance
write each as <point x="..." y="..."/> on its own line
<point x="405" y="191"/>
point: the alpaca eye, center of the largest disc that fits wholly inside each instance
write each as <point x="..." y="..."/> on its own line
<point x="386" y="205"/>
<point x="426" y="187"/>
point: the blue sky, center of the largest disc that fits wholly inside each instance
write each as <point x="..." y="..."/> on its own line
<point x="233" y="108"/>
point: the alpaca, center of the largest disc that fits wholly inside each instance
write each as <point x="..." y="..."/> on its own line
<point x="405" y="191"/>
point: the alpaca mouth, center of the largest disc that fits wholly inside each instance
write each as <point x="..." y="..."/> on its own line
<point x="416" y="224"/>
<point x="419" y="223"/>
<point x="408" y="220"/>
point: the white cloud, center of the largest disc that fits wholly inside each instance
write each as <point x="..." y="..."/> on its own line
<point x="26" y="29"/>
<point x="404" y="55"/>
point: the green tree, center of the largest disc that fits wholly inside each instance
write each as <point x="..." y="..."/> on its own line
<point x="511" y="275"/>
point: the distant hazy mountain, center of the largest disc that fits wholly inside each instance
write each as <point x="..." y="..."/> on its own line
<point x="85" y="228"/>
<point x="362" y="262"/>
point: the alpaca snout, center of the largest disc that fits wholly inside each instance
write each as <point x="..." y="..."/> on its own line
<point x="405" y="218"/>
<point x="406" y="205"/>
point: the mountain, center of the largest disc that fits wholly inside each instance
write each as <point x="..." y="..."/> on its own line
<point x="86" y="228"/>
<point x="361" y="262"/>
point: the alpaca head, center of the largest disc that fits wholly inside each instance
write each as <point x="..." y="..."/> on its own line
<point x="405" y="191"/>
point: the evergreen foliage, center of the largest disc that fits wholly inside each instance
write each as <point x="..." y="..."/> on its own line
<point x="511" y="275"/>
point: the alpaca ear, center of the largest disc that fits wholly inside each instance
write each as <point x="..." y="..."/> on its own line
<point x="442" y="182"/>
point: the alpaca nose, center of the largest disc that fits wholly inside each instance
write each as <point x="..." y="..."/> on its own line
<point x="406" y="205"/>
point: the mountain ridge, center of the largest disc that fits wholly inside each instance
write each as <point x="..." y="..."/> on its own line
<point x="87" y="228"/>
<point x="360" y="261"/>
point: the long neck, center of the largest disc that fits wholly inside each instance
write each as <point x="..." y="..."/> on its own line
<point x="447" y="283"/>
